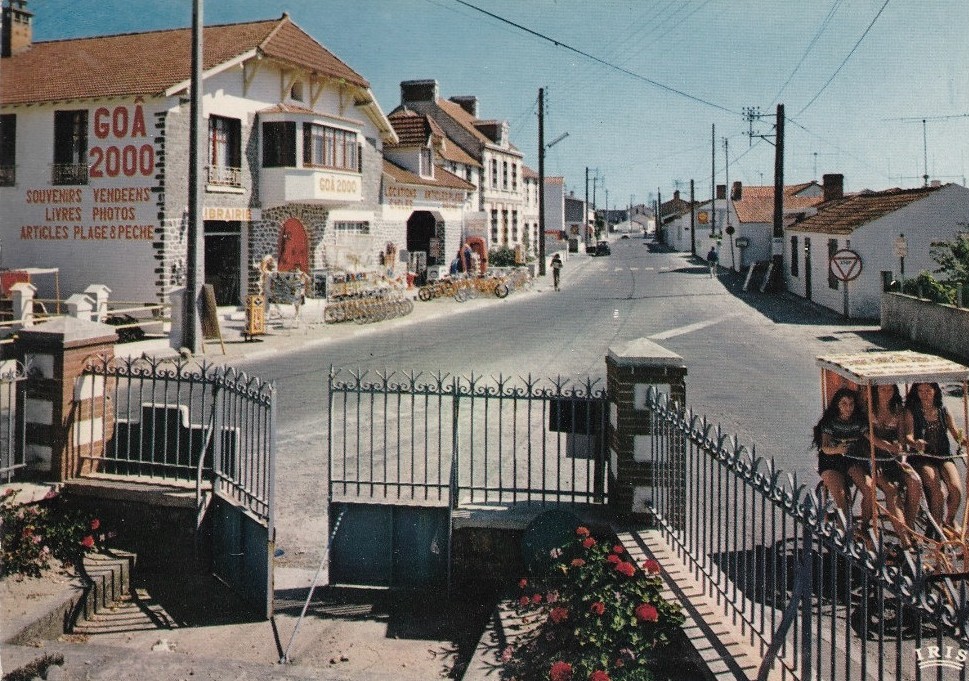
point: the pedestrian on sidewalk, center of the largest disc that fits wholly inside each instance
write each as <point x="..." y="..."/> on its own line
<point x="556" y="270"/>
<point x="712" y="260"/>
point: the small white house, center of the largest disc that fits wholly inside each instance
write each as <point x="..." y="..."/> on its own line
<point x="871" y="225"/>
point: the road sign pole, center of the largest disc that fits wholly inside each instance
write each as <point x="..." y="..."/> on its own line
<point x="845" y="304"/>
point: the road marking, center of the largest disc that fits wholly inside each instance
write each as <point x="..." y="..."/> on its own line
<point x="633" y="269"/>
<point x="690" y="328"/>
<point x="618" y="269"/>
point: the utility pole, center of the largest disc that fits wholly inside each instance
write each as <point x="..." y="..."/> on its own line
<point x="692" y="219"/>
<point x="778" y="240"/>
<point x="925" y="156"/>
<point x="713" y="180"/>
<point x="660" y="236"/>
<point x="541" y="182"/>
<point x="585" y="210"/>
<point x="190" y="316"/>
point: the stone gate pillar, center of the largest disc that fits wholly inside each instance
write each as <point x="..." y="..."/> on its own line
<point x="65" y="422"/>
<point x="631" y="368"/>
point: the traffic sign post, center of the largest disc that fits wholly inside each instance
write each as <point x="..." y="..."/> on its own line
<point x="901" y="250"/>
<point x="845" y="266"/>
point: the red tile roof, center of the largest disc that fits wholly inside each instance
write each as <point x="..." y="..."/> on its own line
<point x="413" y="129"/>
<point x="528" y="173"/>
<point x="845" y="215"/>
<point x="462" y="118"/>
<point x="757" y="203"/>
<point x="450" y="151"/>
<point x="149" y="63"/>
<point x="442" y="178"/>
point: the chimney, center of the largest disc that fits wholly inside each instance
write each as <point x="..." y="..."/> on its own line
<point x="676" y="194"/>
<point x="834" y="186"/>
<point x="18" y="32"/>
<point x="736" y="194"/>
<point x="935" y="184"/>
<point x="721" y="191"/>
<point x="418" y="91"/>
<point x="468" y="102"/>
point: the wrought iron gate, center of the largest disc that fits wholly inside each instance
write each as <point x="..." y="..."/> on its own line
<point x="404" y="451"/>
<point x="193" y="423"/>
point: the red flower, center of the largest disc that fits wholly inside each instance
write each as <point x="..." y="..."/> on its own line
<point x="613" y="558"/>
<point x="627" y="569"/>
<point x="560" y="671"/>
<point x="95" y="524"/>
<point x="524" y="600"/>
<point x="618" y="548"/>
<point x="88" y="542"/>
<point x="651" y="566"/>
<point x="647" y="613"/>
<point x="577" y="562"/>
<point x="582" y="531"/>
<point x="522" y="583"/>
<point x="536" y="599"/>
<point x="559" y="615"/>
<point x="597" y="608"/>
<point x="599" y="675"/>
<point x="588" y="543"/>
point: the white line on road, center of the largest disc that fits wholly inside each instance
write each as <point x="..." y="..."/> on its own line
<point x="690" y="328"/>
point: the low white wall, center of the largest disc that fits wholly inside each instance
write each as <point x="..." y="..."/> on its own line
<point x="943" y="328"/>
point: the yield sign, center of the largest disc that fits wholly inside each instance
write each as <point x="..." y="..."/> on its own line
<point x="845" y="265"/>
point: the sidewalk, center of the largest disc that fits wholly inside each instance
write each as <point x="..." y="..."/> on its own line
<point x="285" y="333"/>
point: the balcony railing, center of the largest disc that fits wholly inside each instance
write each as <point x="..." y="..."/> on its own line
<point x="8" y="176"/>
<point x="69" y="173"/>
<point x="224" y="176"/>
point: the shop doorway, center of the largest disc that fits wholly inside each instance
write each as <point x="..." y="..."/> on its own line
<point x="294" y="247"/>
<point x="421" y="226"/>
<point x="223" y="260"/>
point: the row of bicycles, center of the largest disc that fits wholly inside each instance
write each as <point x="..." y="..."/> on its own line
<point x="466" y="288"/>
<point x="368" y="306"/>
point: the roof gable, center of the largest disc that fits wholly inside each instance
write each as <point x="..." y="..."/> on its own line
<point x="150" y="63"/>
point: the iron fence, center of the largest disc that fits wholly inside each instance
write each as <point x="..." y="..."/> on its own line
<point x="172" y="420"/>
<point x="815" y="602"/>
<point x="13" y="457"/>
<point x="456" y="440"/>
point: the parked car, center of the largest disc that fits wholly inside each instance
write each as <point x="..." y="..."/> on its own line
<point x="602" y="248"/>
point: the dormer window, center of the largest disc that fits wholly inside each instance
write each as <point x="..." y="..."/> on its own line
<point x="296" y="92"/>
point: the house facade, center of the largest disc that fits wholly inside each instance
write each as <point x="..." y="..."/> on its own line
<point x="95" y="158"/>
<point x="499" y="219"/>
<point x="869" y="224"/>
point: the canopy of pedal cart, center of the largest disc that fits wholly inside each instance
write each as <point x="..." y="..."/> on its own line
<point x="863" y="371"/>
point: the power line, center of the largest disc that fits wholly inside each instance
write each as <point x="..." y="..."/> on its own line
<point x="559" y="43"/>
<point x="845" y="61"/>
<point x="821" y="29"/>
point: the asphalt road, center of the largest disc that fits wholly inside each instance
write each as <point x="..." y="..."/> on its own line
<point x="750" y="358"/>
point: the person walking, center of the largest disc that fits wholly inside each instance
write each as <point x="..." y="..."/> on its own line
<point x="712" y="260"/>
<point x="556" y="270"/>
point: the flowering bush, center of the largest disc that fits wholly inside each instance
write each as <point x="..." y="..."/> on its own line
<point x="600" y="617"/>
<point x="33" y="535"/>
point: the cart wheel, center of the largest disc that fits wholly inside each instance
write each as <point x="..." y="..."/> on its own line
<point x="501" y="290"/>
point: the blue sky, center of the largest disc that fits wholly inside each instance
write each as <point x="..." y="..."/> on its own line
<point x="654" y="77"/>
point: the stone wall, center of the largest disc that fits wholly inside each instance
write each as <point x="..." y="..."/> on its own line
<point x="940" y="328"/>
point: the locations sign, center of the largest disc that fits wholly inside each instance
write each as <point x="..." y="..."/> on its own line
<point x="845" y="265"/>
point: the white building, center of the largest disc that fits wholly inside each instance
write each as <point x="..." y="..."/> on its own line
<point x="869" y="223"/>
<point x="95" y="156"/>
<point x="499" y="218"/>
<point x="425" y="189"/>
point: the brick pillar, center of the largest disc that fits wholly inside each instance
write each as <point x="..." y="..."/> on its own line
<point x="630" y="369"/>
<point x="65" y="420"/>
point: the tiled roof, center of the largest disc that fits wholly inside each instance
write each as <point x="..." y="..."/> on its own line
<point x="528" y="173"/>
<point x="413" y="129"/>
<point x="757" y="203"/>
<point x="450" y="151"/>
<point x="845" y="215"/>
<point x="462" y="118"/>
<point x="442" y="178"/>
<point x="149" y="63"/>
